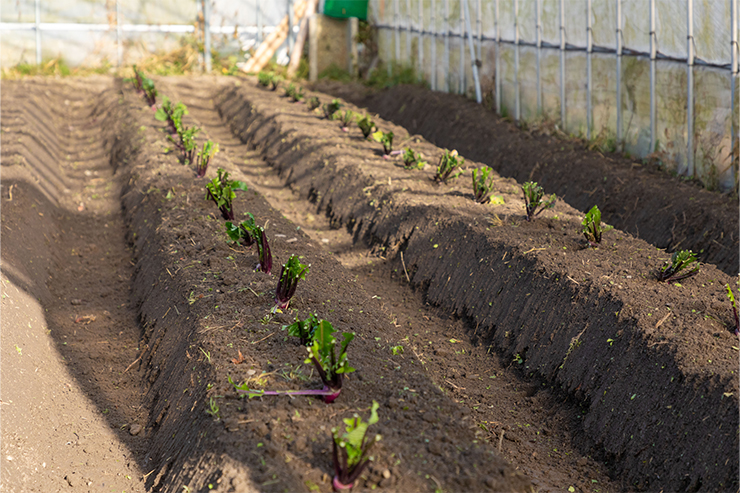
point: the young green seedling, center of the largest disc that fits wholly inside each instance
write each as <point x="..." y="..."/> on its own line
<point x="222" y="191"/>
<point x="292" y="272"/>
<point x="366" y="125"/>
<point x="351" y="449"/>
<point x="734" y="309"/>
<point x="188" y="145"/>
<point x="304" y="329"/>
<point x="243" y="232"/>
<point x="533" y="198"/>
<point x="347" y="118"/>
<point x="137" y="80"/>
<point x="385" y="138"/>
<point x="593" y="227"/>
<point x="450" y="166"/>
<point x="329" y="366"/>
<point x="204" y="157"/>
<point x="683" y="264"/>
<point x="330" y="109"/>
<point x="483" y="179"/>
<point x="275" y="81"/>
<point x="264" y="78"/>
<point x="172" y="114"/>
<point x="313" y="103"/>
<point x="412" y="160"/>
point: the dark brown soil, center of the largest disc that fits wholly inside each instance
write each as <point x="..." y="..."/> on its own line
<point x="529" y="361"/>
<point x="635" y="197"/>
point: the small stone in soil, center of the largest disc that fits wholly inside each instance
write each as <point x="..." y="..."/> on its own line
<point x="135" y="429"/>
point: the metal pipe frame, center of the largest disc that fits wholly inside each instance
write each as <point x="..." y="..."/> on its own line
<point x="397" y="39"/>
<point x="479" y="23"/>
<point x="653" y="50"/>
<point x="690" y="85"/>
<point x="433" y="22"/>
<point x="408" y="32"/>
<point x="589" y="82"/>
<point x="447" y="47"/>
<point x="517" y="95"/>
<point x="421" y="40"/>
<point x="473" y="61"/>
<point x="207" y="33"/>
<point x="538" y="43"/>
<point x="461" y="84"/>
<point x="38" y="31"/>
<point x="562" y="65"/>
<point x="619" y="72"/>
<point x="260" y="27"/>
<point x="119" y="37"/>
<point x="498" y="58"/>
<point x="735" y="138"/>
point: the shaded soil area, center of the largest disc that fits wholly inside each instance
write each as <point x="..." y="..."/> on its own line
<point x="642" y="357"/>
<point x="637" y="198"/>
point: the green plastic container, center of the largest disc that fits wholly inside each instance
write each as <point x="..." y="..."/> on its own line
<point x="346" y="8"/>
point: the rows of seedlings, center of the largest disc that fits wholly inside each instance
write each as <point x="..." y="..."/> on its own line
<point x="232" y="405"/>
<point x="647" y="341"/>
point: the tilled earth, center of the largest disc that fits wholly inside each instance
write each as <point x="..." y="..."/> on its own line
<point x="149" y="309"/>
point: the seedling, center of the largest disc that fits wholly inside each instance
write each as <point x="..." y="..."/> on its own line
<point x="188" y="145"/>
<point x="533" y="199"/>
<point x="137" y="80"/>
<point x="222" y="191"/>
<point x="313" y="103"/>
<point x="347" y="118"/>
<point x="304" y="329"/>
<point x="292" y="272"/>
<point x="264" y="78"/>
<point x="482" y="184"/>
<point x="294" y="93"/>
<point x="412" y="160"/>
<point x="330" y="109"/>
<point x="734" y="309"/>
<point x="351" y="449"/>
<point x="263" y="245"/>
<point x="172" y="114"/>
<point x="593" y="227"/>
<point x="150" y="92"/>
<point x="213" y="409"/>
<point x="321" y="353"/>
<point x="366" y="125"/>
<point x="204" y="157"/>
<point x="385" y="138"/>
<point x="450" y="166"/>
<point x="243" y="232"/>
<point x="683" y="264"/>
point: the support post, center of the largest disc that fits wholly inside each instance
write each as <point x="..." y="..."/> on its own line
<point x="562" y="64"/>
<point x="447" y="47"/>
<point x="421" y="40"/>
<point x="461" y="79"/>
<point x="259" y="23"/>
<point x="479" y="23"/>
<point x="735" y="138"/>
<point x="538" y="42"/>
<point x="517" y="101"/>
<point x="498" y="60"/>
<point x="690" y="85"/>
<point x="38" y="32"/>
<point x="589" y="82"/>
<point x="653" y="50"/>
<point x="408" y="32"/>
<point x="433" y="23"/>
<point x="397" y="27"/>
<point x="207" y="34"/>
<point x="291" y="23"/>
<point x="119" y="37"/>
<point x="473" y="61"/>
<point x="619" y="72"/>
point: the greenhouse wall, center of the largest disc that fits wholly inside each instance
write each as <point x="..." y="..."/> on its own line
<point x="539" y="81"/>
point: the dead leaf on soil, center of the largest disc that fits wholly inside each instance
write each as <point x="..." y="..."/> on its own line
<point x="239" y="359"/>
<point x="85" y="319"/>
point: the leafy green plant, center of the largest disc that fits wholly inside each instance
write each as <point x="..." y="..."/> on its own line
<point x="483" y="179"/>
<point x="593" y="227"/>
<point x="213" y="409"/>
<point x="330" y="109"/>
<point x="304" y="329"/>
<point x="450" y="166"/>
<point x="137" y="80"/>
<point x="329" y="366"/>
<point x="222" y="191"/>
<point x="313" y="103"/>
<point x="385" y="138"/>
<point x="172" y="114"/>
<point x="188" y="144"/>
<point x="683" y="264"/>
<point x="204" y="157"/>
<point x="351" y="449"/>
<point x="366" y="125"/>
<point x="294" y="93"/>
<point x="533" y="199"/>
<point x="292" y="272"/>
<point x="734" y="309"/>
<point x="412" y="160"/>
<point x="243" y="232"/>
<point x="264" y="78"/>
<point x="347" y="118"/>
<point x="150" y="92"/>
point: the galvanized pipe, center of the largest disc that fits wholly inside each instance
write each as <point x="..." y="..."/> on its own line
<point x="517" y="101"/>
<point x="447" y="47"/>
<point x="473" y="61"/>
<point x="397" y="39"/>
<point x="421" y="40"/>
<point x="461" y="79"/>
<point x="589" y="86"/>
<point x="653" y="50"/>
<point x="690" y="85"/>
<point x="433" y="22"/>
<point x="538" y="20"/>
<point x="259" y="22"/>
<point x="119" y="38"/>
<point x="735" y="138"/>
<point x="479" y="22"/>
<point x="562" y="64"/>
<point x="498" y="59"/>
<point x="38" y="32"/>
<point x="619" y="72"/>
<point x="207" y="33"/>
<point x="408" y="32"/>
<point x="291" y="23"/>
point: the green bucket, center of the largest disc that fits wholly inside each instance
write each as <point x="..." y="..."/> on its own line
<point x="346" y="8"/>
